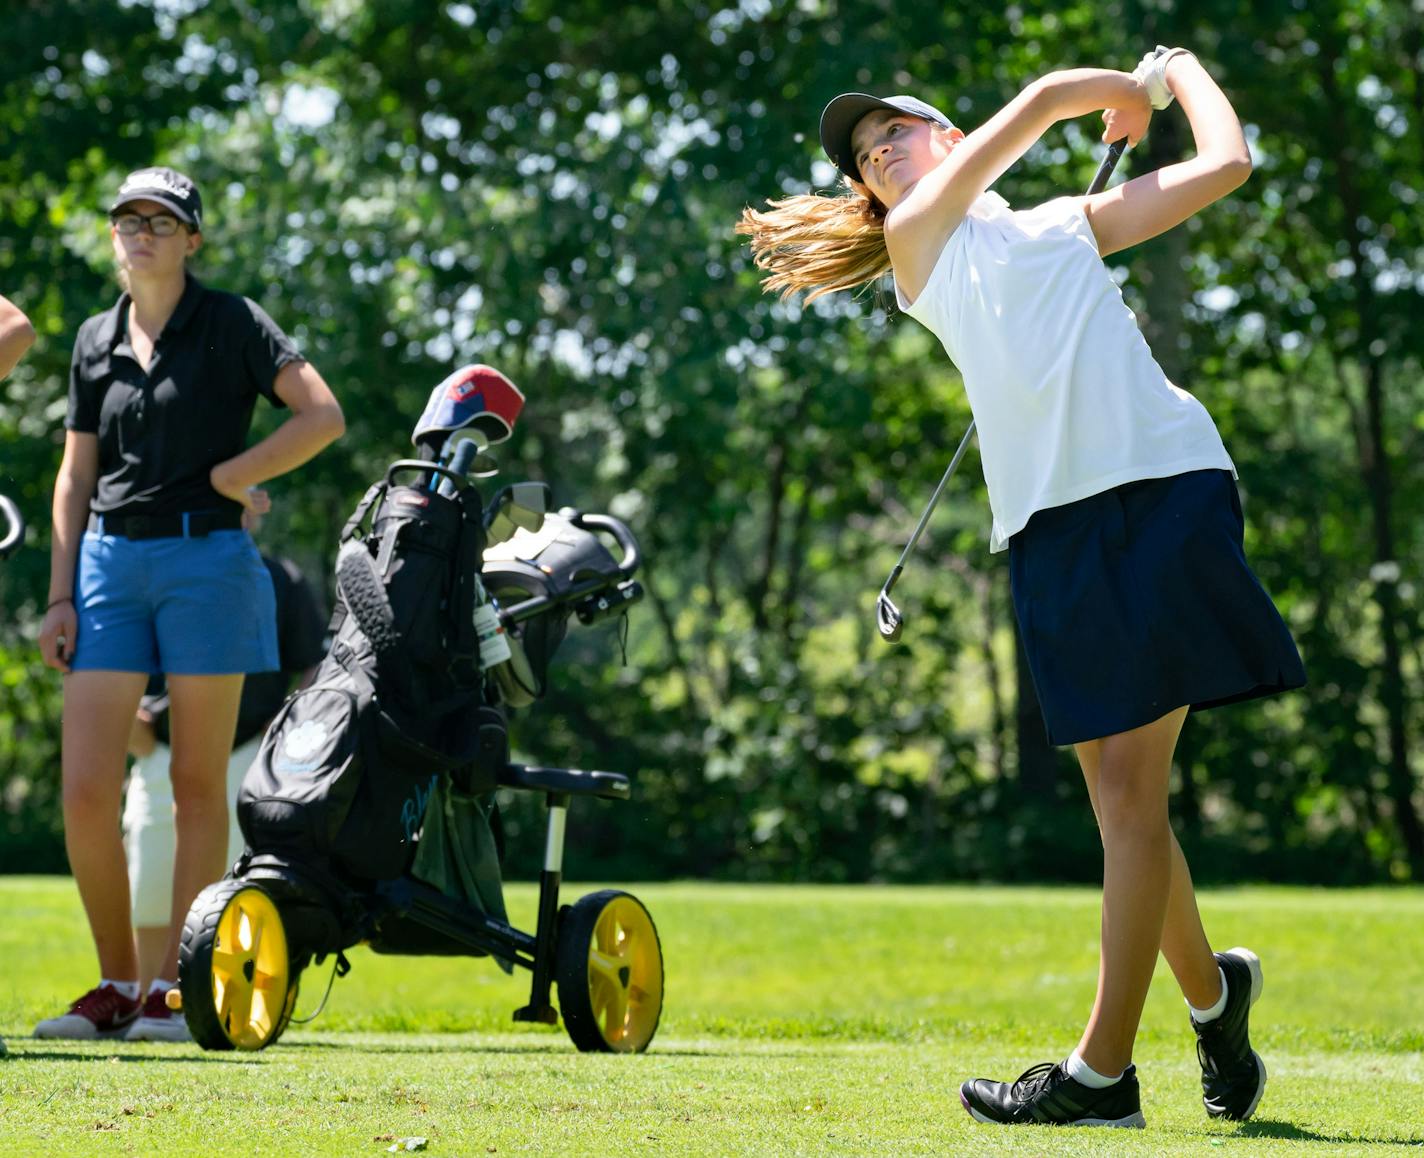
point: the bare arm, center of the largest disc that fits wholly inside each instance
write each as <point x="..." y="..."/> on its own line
<point x="16" y="335"/>
<point x="1151" y="204"/>
<point x="316" y="421"/>
<point x="73" y="488"/>
<point x="917" y="228"/>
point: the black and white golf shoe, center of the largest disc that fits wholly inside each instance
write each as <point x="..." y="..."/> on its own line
<point x="1046" y="1095"/>
<point x="1233" y="1075"/>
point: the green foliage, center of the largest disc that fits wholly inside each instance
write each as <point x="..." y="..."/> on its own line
<point x="551" y="188"/>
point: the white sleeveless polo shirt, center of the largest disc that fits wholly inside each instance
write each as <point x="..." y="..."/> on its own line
<point x="1067" y="398"/>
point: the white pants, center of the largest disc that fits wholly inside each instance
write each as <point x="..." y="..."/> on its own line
<point x="150" y="839"/>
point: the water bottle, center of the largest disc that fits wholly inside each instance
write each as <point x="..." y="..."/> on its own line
<point x="494" y="647"/>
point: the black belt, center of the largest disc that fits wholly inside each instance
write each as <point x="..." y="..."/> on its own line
<point x="199" y="523"/>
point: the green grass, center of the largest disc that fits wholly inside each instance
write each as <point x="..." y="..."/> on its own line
<point x="798" y="1021"/>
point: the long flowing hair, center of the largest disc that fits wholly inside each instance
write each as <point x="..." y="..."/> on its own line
<point x="817" y="244"/>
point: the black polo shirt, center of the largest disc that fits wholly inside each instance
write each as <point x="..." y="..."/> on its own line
<point x="162" y="431"/>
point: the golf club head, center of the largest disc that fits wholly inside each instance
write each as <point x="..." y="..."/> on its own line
<point x="888" y="618"/>
<point x="517" y="507"/>
<point x="477" y="398"/>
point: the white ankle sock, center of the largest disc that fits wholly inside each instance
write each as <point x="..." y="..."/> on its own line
<point x="128" y="988"/>
<point x="1084" y="1074"/>
<point x="1201" y="1016"/>
<point x="158" y="985"/>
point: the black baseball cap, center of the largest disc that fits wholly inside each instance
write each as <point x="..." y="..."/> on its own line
<point x="840" y="117"/>
<point x="168" y="187"/>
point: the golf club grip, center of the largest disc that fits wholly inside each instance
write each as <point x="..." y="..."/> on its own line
<point x="1115" y="152"/>
<point x="459" y="468"/>
<point x="465" y="457"/>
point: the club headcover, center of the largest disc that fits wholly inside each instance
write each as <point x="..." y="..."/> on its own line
<point x="477" y="398"/>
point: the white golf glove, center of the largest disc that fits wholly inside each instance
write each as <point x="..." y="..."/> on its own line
<point x="1151" y="71"/>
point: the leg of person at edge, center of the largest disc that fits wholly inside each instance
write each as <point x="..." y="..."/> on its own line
<point x="150" y="570"/>
<point x="1110" y="488"/>
<point x="16" y="336"/>
<point x="149" y="834"/>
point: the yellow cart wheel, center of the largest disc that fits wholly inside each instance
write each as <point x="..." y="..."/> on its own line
<point x="608" y="965"/>
<point x="234" y="972"/>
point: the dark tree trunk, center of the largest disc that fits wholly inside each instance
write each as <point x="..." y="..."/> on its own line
<point x="1374" y="465"/>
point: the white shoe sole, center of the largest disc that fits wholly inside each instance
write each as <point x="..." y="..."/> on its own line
<point x="1131" y="1122"/>
<point x="159" y="1029"/>
<point x="81" y="1029"/>
<point x="1260" y="1086"/>
<point x="1253" y="963"/>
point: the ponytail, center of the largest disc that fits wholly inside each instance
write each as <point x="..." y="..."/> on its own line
<point x="817" y="244"/>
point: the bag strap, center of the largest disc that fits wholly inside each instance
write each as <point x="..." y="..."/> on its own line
<point x="346" y="657"/>
<point x="353" y="524"/>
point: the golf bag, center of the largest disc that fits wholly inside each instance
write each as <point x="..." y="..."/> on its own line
<point x="348" y="766"/>
<point x="370" y="812"/>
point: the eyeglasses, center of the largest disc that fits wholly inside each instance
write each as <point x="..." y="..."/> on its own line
<point x="159" y="224"/>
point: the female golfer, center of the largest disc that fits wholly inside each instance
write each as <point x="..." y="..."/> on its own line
<point x="1109" y="486"/>
<point x="150" y="570"/>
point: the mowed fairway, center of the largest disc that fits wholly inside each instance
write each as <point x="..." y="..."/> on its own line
<point x="798" y="1021"/>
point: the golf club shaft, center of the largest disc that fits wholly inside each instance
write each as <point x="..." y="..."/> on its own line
<point x="929" y="510"/>
<point x="1100" y="180"/>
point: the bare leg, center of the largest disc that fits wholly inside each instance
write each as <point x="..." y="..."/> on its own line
<point x="203" y="720"/>
<point x="1133" y="772"/>
<point x="152" y="943"/>
<point x="98" y="711"/>
<point x="1184" y="941"/>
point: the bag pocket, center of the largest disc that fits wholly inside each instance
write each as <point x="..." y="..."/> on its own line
<point x="296" y="795"/>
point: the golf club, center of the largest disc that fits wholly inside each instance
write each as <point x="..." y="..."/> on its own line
<point x="888" y="618"/>
<point x="14" y="526"/>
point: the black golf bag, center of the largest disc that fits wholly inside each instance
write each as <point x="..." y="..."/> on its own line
<point x="403" y="712"/>
<point x="370" y="812"/>
<point x="347" y="768"/>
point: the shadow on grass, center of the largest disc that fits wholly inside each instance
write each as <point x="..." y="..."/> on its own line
<point x="475" y="1048"/>
<point x="20" y="1054"/>
<point x="1287" y="1131"/>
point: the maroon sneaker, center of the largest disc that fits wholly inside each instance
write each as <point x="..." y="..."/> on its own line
<point x="158" y="1023"/>
<point x="102" y="1012"/>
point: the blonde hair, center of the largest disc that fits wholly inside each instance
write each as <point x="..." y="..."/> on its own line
<point x="817" y="244"/>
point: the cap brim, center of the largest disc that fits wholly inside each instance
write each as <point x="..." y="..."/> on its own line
<point x="838" y="121"/>
<point x="160" y="198"/>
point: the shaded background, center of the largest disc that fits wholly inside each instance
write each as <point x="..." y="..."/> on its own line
<point x="550" y="187"/>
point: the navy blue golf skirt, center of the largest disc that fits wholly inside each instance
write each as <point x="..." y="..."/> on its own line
<point x="1138" y="600"/>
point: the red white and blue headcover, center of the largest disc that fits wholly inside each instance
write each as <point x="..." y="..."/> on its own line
<point x="476" y="397"/>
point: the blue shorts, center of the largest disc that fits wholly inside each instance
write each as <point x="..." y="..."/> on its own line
<point x="1139" y="600"/>
<point x="178" y="606"/>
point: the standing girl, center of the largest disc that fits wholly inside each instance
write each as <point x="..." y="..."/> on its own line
<point x="1110" y="488"/>
<point x="150" y="570"/>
